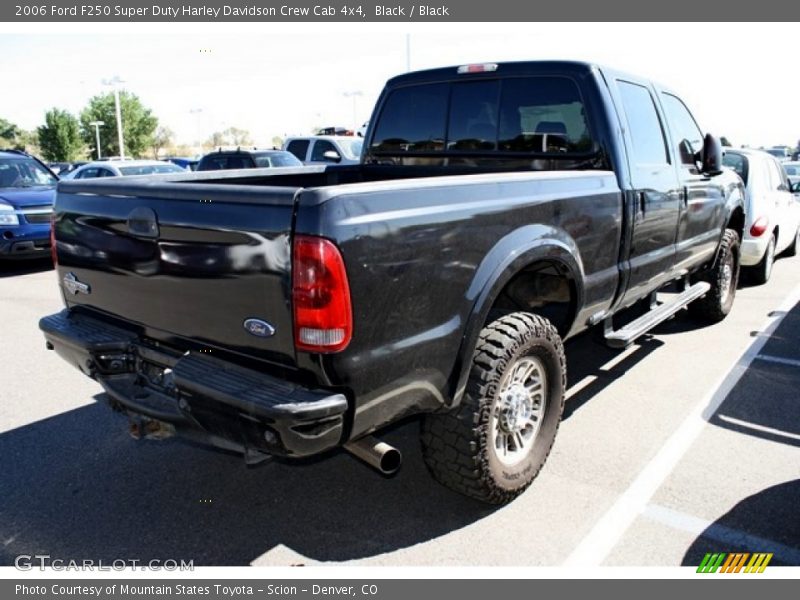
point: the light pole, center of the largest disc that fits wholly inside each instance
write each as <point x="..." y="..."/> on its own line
<point x="115" y="81"/>
<point x="96" y="125"/>
<point x="354" y="94"/>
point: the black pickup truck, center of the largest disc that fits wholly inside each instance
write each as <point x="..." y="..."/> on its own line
<point x="498" y="209"/>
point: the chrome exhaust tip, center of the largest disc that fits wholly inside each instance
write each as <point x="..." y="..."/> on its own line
<point x="377" y="454"/>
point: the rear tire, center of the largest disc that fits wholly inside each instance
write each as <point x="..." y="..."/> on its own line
<point x="760" y="274"/>
<point x="723" y="277"/>
<point x="492" y="446"/>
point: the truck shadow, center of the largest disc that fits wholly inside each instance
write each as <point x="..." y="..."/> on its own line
<point x="11" y="268"/>
<point x="76" y="486"/>
<point x="763" y="403"/>
<point x="764" y="522"/>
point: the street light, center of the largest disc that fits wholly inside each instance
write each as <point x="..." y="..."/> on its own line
<point x="114" y="82"/>
<point x="354" y="94"/>
<point x="96" y="125"/>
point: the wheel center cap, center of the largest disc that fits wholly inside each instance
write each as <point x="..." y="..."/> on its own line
<point x="516" y="409"/>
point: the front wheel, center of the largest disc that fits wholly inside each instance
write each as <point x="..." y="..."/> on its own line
<point x="723" y="277"/>
<point x="492" y="446"/>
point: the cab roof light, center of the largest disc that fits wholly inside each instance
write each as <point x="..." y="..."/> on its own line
<point x="478" y="68"/>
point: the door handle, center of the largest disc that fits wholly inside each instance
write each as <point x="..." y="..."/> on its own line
<point x="641" y="201"/>
<point x="685" y="195"/>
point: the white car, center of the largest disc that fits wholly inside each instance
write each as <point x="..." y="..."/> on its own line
<point x="772" y="213"/>
<point x="325" y="149"/>
<point x="116" y="168"/>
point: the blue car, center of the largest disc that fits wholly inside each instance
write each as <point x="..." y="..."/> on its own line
<point x="27" y="192"/>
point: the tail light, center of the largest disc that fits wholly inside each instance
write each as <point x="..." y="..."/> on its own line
<point x="323" y="318"/>
<point x="759" y="226"/>
<point x="53" y="251"/>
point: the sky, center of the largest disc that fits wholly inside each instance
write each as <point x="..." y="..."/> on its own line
<point x="278" y="80"/>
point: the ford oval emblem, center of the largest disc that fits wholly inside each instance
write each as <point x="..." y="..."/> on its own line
<point x="258" y="328"/>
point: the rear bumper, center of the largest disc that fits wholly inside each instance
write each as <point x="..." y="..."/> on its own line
<point x="753" y="250"/>
<point x="200" y="396"/>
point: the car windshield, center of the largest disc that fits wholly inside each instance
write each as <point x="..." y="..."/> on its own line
<point x="278" y="159"/>
<point x="778" y="152"/>
<point x="23" y="173"/>
<point x="792" y="169"/>
<point x="151" y="169"/>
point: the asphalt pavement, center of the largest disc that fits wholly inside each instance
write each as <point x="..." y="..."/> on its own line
<point x="686" y="443"/>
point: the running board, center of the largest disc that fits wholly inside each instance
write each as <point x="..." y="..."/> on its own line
<point x="622" y="338"/>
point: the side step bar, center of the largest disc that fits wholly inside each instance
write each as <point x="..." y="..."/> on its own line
<point x="622" y="338"/>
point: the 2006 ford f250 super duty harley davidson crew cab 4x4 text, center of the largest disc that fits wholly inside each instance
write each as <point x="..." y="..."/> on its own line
<point x="497" y="210"/>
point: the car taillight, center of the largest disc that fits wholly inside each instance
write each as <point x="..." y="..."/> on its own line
<point x="759" y="226"/>
<point x="323" y="318"/>
<point x="53" y="251"/>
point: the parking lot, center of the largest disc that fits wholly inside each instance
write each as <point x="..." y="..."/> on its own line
<point x="688" y="442"/>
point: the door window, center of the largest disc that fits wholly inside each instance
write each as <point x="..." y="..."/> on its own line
<point x="644" y="125"/>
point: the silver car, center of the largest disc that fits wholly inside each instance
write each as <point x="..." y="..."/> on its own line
<point x="772" y="213"/>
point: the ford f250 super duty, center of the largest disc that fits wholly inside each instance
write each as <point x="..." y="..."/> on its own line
<point x="497" y="210"/>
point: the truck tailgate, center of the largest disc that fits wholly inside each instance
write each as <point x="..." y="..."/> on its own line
<point x="211" y="263"/>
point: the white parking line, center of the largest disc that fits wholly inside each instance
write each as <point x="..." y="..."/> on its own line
<point x="733" y="538"/>
<point x="604" y="536"/>
<point x="757" y="427"/>
<point x="779" y="360"/>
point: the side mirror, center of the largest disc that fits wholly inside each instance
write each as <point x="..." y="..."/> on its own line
<point x="711" y="158"/>
<point x="795" y="187"/>
<point x="332" y="156"/>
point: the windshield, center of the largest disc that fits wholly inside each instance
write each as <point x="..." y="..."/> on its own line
<point x="778" y="152"/>
<point x="150" y="169"/>
<point x="23" y="172"/>
<point x="792" y="169"/>
<point x="278" y="159"/>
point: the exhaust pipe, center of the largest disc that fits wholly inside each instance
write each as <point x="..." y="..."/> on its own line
<point x="377" y="454"/>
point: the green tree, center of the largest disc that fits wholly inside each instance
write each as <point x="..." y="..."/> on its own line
<point x="162" y="138"/>
<point x="8" y="134"/>
<point x="138" y="124"/>
<point x="60" y="136"/>
<point x="238" y="137"/>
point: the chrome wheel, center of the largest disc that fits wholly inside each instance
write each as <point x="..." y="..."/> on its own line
<point x="518" y="411"/>
<point x="726" y="279"/>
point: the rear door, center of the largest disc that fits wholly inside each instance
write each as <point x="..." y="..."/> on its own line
<point x="702" y="206"/>
<point x="185" y="261"/>
<point x="654" y="195"/>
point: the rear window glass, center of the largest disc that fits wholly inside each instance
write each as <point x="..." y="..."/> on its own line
<point x="282" y="159"/>
<point x="737" y="162"/>
<point x="524" y="114"/>
<point x="299" y="148"/>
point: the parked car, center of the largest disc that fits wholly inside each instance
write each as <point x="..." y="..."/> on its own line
<point x="792" y="169"/>
<point x="117" y="168"/>
<point x="782" y="153"/>
<point x="498" y="210"/>
<point x="247" y="159"/>
<point x="27" y="191"/>
<point x="773" y="215"/>
<point x="325" y="149"/>
<point x="190" y="164"/>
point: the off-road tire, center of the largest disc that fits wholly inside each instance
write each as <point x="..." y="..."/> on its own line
<point x="717" y="303"/>
<point x="458" y="447"/>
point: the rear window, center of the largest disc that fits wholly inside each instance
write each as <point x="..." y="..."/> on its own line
<point x="299" y="148"/>
<point x="515" y="115"/>
<point x="282" y="159"/>
<point x="738" y="163"/>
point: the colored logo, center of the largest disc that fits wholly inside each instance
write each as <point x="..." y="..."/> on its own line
<point x="258" y="328"/>
<point x="734" y="563"/>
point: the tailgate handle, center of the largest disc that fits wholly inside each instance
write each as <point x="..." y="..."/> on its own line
<point x="142" y="222"/>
